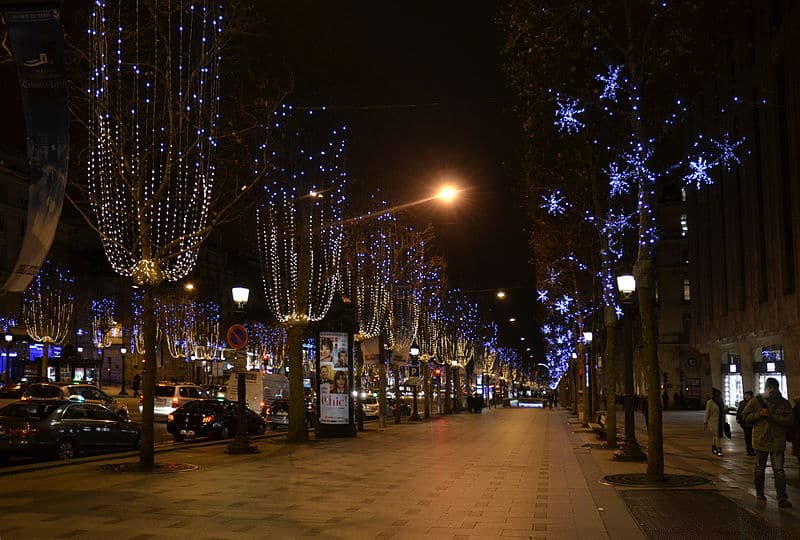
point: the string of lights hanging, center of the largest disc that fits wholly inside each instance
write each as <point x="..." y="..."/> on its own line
<point x="154" y="106"/>
<point x="299" y="223"/>
<point x="176" y="319"/>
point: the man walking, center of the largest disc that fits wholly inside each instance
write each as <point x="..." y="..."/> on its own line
<point x="747" y="428"/>
<point x="771" y="415"/>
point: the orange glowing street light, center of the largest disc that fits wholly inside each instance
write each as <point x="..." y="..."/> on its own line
<point x="447" y="193"/>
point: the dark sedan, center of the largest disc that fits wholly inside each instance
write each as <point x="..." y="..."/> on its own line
<point x="62" y="429"/>
<point x="210" y="418"/>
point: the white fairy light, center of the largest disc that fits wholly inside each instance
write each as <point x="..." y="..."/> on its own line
<point x="154" y="107"/>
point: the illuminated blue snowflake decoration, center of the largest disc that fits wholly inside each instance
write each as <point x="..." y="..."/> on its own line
<point x="542" y="296"/>
<point x="555" y="203"/>
<point x="562" y="305"/>
<point x="566" y="115"/>
<point x="699" y="173"/>
<point x="619" y="180"/>
<point x="727" y="150"/>
<point x="610" y="82"/>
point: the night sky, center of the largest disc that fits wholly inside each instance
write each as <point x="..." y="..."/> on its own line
<point x="420" y="85"/>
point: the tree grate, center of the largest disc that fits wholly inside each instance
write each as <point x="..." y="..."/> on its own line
<point x="671" y="514"/>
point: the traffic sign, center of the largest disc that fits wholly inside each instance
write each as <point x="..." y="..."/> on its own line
<point x="237" y="336"/>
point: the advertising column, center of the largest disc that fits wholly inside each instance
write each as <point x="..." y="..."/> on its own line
<point x="335" y="371"/>
<point x="334" y="378"/>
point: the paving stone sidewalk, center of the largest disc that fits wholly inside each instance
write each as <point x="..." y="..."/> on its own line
<point x="505" y="473"/>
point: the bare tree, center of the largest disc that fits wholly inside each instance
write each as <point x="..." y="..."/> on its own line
<point x="47" y="306"/>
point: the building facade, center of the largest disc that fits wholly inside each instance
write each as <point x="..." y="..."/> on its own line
<point x="744" y="229"/>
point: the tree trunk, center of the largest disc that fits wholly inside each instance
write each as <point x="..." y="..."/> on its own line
<point x="456" y="390"/>
<point x="359" y="357"/>
<point x="610" y="320"/>
<point x="643" y="271"/>
<point x="398" y="397"/>
<point x="426" y="386"/>
<point x="45" y="357"/>
<point x="448" y="384"/>
<point x="382" y="404"/>
<point x="147" y="451"/>
<point x="298" y="432"/>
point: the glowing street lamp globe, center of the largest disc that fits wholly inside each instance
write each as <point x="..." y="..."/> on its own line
<point x="447" y="193"/>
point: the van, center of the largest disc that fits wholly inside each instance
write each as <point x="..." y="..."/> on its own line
<point x="261" y="389"/>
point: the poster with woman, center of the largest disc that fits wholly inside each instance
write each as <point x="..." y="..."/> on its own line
<point x="334" y="390"/>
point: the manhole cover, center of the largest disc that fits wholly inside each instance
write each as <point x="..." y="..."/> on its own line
<point x="598" y="446"/>
<point x="158" y="468"/>
<point x="640" y="480"/>
<point x="696" y="514"/>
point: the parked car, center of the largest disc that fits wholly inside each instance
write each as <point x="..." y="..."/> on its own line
<point x="169" y="396"/>
<point x="369" y="406"/>
<point x="405" y="408"/>
<point x="15" y="389"/>
<point x="62" y="429"/>
<point x="210" y="418"/>
<point x="277" y="414"/>
<point x="86" y="392"/>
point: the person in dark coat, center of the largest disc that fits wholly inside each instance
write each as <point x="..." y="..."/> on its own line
<point x="746" y="427"/>
<point x="771" y="416"/>
<point x="136" y="384"/>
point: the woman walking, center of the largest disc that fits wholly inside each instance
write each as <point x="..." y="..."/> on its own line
<point x="715" y="417"/>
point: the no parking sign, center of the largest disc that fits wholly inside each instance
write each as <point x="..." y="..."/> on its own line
<point x="237" y="336"/>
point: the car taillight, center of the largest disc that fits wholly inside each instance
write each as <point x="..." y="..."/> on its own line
<point x="170" y="417"/>
<point x="207" y="419"/>
<point x="24" y="431"/>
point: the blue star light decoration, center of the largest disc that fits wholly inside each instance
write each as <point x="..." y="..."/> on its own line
<point x="566" y="115"/>
<point x="698" y="175"/>
<point x="555" y="203"/>
<point x="562" y="304"/>
<point x="727" y="151"/>
<point x="610" y="83"/>
<point x="619" y="179"/>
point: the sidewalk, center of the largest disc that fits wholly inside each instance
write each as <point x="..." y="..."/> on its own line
<point x="518" y="473"/>
<point x="504" y="473"/>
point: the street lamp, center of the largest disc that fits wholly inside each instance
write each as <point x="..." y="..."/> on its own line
<point x="122" y="352"/>
<point x="414" y="353"/>
<point x="630" y="450"/>
<point x="241" y="443"/>
<point x="8" y="339"/>
<point x="240" y="297"/>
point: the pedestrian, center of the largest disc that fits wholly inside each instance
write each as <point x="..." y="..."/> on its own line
<point x="771" y="415"/>
<point x="746" y="426"/>
<point x="137" y="382"/>
<point x="796" y="442"/>
<point x="715" y="417"/>
<point x="665" y="399"/>
<point x="646" y="412"/>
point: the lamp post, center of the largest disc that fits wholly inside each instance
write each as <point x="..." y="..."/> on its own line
<point x="414" y="353"/>
<point x="9" y="339"/>
<point x="590" y="386"/>
<point x="630" y="450"/>
<point x="123" y="351"/>
<point x="241" y="443"/>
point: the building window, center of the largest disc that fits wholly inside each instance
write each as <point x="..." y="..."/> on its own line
<point x="684" y="225"/>
<point x="687" y="291"/>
